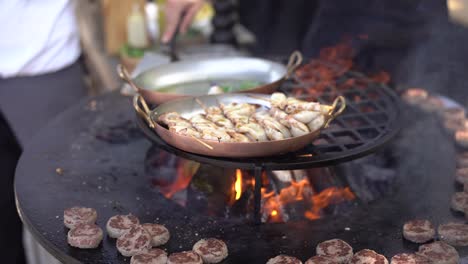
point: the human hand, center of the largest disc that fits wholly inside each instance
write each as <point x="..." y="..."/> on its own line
<point x="179" y="10"/>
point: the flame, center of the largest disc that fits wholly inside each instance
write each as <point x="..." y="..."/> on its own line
<point x="302" y="191"/>
<point x="185" y="172"/>
<point x="332" y="195"/>
<point x="238" y="184"/>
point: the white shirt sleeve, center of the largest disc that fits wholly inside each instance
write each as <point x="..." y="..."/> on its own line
<point x="37" y="36"/>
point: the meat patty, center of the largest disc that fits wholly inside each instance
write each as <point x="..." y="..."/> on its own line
<point x="461" y="175"/>
<point x="134" y="241"/>
<point x="185" y="257"/>
<point x="153" y="256"/>
<point x="119" y="224"/>
<point x="367" y="256"/>
<point x="339" y="250"/>
<point x="79" y="215"/>
<point x="418" y="231"/>
<point x="409" y="258"/>
<point x="415" y="96"/>
<point x="284" y="259"/>
<point x="85" y="236"/>
<point x="455" y="234"/>
<point x="439" y="252"/>
<point x="321" y="260"/>
<point x="159" y="234"/>
<point x="211" y="250"/>
<point x="459" y="201"/>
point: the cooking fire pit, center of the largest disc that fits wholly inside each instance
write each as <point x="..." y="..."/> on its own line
<point x="352" y="183"/>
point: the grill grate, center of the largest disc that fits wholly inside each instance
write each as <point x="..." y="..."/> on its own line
<point x="369" y="121"/>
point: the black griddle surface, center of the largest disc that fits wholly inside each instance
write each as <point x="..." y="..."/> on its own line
<point x="102" y="154"/>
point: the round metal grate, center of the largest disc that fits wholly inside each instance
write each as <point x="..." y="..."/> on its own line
<point x="369" y="121"/>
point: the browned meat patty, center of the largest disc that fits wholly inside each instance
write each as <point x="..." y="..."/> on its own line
<point x="418" y="231"/>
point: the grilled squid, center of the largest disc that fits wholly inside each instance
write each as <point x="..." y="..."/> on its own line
<point x="297" y="128"/>
<point x="317" y="123"/>
<point x="215" y="115"/>
<point x="252" y="130"/>
<point x="238" y="137"/>
<point x="278" y="100"/>
<point x="209" y="129"/>
<point x="306" y="116"/>
<point x="274" y="129"/>
<point x="279" y="115"/>
<point x="178" y="124"/>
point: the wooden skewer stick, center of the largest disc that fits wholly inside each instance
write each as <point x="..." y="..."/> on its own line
<point x="201" y="104"/>
<point x="201" y="142"/>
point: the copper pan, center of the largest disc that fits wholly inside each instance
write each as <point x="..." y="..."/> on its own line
<point x="189" y="106"/>
<point x="269" y="73"/>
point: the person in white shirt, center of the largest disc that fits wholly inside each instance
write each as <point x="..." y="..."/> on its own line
<point x="40" y="76"/>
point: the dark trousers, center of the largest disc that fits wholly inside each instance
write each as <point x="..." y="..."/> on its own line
<point x="26" y="105"/>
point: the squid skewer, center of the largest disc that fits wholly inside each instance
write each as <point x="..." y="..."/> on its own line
<point x="240" y="114"/>
<point x="274" y="129"/>
<point x="296" y="127"/>
<point x="215" y="115"/>
<point x="209" y="130"/>
<point x="178" y="124"/>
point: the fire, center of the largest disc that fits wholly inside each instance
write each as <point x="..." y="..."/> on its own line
<point x="302" y="191"/>
<point x="185" y="172"/>
<point x="332" y="195"/>
<point x="238" y="184"/>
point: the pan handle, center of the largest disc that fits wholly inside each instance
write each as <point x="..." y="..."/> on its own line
<point x="338" y="106"/>
<point x="125" y="76"/>
<point x="145" y="112"/>
<point x="295" y="61"/>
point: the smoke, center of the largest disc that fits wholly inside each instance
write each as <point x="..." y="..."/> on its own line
<point x="439" y="62"/>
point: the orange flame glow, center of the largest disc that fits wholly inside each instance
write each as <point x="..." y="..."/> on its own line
<point x="238" y="184"/>
<point x="303" y="191"/>
<point x="185" y="172"/>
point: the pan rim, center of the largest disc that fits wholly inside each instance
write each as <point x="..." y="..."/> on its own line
<point x="139" y="78"/>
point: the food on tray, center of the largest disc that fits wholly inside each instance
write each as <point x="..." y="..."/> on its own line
<point x="134" y="241"/>
<point x="117" y="225"/>
<point x="455" y="234"/>
<point x="185" y="257"/>
<point x="159" y="234"/>
<point x="461" y="137"/>
<point x="241" y="122"/>
<point x="418" y="231"/>
<point x="367" y="256"/>
<point x="339" y="250"/>
<point x="85" y="236"/>
<point x="415" y="96"/>
<point x="409" y="258"/>
<point x="79" y="215"/>
<point x="320" y="260"/>
<point x="461" y="175"/>
<point x="284" y="259"/>
<point x="153" y="256"/>
<point x="459" y="201"/>
<point x="211" y="250"/>
<point x="439" y="252"/>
